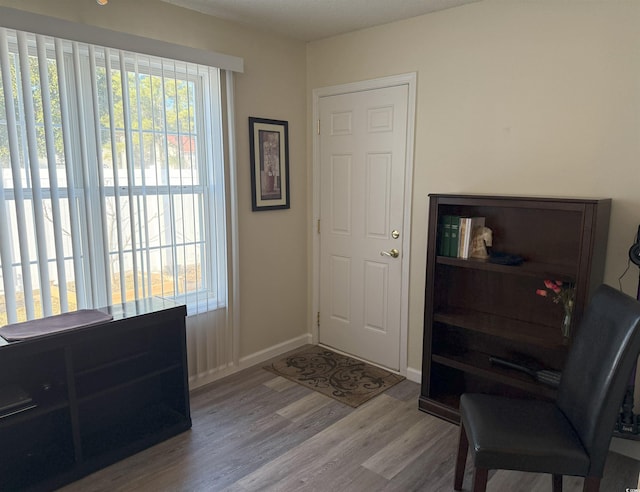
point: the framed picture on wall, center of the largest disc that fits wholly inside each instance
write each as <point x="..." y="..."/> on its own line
<point x="269" y="146"/>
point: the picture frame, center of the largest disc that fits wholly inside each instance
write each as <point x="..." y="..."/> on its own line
<point x="269" y="153"/>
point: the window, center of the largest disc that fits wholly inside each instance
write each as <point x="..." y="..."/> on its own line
<point x="112" y="179"/>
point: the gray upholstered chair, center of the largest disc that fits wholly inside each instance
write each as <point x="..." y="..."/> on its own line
<point x="570" y="436"/>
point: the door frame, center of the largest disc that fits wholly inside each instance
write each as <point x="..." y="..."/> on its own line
<point x="408" y="79"/>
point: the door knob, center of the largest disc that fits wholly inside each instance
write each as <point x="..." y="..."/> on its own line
<point x="394" y="253"/>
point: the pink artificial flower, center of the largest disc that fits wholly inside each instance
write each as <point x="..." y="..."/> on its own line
<point x="541" y="292"/>
<point x="549" y="284"/>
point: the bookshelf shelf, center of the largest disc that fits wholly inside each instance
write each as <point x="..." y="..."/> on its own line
<point x="509" y="329"/>
<point x="529" y="268"/>
<point x="475" y="309"/>
<point x="478" y="363"/>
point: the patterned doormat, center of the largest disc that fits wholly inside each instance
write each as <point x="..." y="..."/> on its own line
<point x="348" y="380"/>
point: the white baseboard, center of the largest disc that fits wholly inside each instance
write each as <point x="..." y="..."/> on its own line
<point x="212" y="375"/>
<point x="414" y="375"/>
<point x="274" y="351"/>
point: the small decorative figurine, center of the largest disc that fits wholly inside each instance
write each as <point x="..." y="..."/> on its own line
<point x="481" y="239"/>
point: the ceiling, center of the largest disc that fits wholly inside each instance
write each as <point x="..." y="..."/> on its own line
<point x="309" y="20"/>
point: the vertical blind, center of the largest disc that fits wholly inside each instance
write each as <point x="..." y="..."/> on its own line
<point x="112" y="185"/>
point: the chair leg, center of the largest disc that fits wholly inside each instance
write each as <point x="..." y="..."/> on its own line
<point x="557" y="483"/>
<point x="480" y="480"/>
<point x="591" y="484"/>
<point x="461" y="460"/>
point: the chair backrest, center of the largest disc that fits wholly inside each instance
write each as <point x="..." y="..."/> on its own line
<point x="598" y="369"/>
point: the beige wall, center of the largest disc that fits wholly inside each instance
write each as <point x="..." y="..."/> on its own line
<point x="513" y="97"/>
<point x="273" y="254"/>
<point x="537" y="98"/>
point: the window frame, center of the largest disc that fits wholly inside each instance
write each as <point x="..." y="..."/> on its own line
<point x="94" y="189"/>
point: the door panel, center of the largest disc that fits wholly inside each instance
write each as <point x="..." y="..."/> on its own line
<point x="362" y="168"/>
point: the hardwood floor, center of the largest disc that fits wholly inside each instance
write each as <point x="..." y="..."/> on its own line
<point x="254" y="431"/>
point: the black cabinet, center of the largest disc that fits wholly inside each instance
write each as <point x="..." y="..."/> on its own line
<point x="476" y="309"/>
<point x="94" y="395"/>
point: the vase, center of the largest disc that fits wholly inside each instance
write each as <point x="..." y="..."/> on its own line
<point x="566" y="321"/>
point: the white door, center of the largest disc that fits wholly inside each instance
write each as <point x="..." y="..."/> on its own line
<point x="362" y="144"/>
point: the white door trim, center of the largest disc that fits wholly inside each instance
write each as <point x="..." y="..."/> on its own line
<point x="408" y="79"/>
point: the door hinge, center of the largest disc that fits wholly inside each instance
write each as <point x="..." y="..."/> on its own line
<point x="318" y="226"/>
<point x="318" y="319"/>
<point x="318" y="129"/>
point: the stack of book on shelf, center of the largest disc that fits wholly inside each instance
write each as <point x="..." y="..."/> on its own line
<point x="456" y="235"/>
<point x="468" y="226"/>
<point x="14" y="399"/>
<point x="448" y="243"/>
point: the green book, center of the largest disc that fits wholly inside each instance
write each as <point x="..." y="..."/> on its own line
<point x="442" y="243"/>
<point x="455" y="236"/>
<point x="448" y="240"/>
<point x="445" y="239"/>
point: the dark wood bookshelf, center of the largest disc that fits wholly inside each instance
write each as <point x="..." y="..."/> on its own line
<point x="475" y="309"/>
<point x="100" y="394"/>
